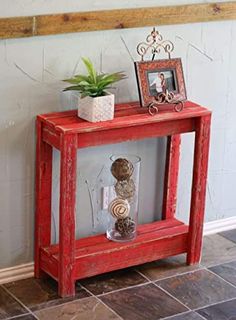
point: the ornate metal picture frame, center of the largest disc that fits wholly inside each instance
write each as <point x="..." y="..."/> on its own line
<point x="160" y="81"/>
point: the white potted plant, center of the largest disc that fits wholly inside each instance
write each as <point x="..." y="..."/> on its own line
<point x="95" y="102"/>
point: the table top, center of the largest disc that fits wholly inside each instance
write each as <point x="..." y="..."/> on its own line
<point x="126" y="115"/>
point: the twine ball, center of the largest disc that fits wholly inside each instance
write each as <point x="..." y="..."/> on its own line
<point x="122" y="169"/>
<point x="119" y="208"/>
<point x="125" y="189"/>
<point x="125" y="226"/>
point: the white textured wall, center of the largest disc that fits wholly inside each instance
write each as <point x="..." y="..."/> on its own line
<point x="30" y="70"/>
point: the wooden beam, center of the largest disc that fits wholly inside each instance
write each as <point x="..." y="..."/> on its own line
<point x="17" y="27"/>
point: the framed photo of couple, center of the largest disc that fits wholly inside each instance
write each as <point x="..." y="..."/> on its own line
<point x="160" y="76"/>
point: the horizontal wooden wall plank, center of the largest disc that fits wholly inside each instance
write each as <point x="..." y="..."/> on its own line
<point x="16" y="27"/>
<point x="115" y="19"/>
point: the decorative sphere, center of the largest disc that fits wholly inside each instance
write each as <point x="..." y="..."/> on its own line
<point x="125" y="226"/>
<point x="119" y="208"/>
<point x="125" y="189"/>
<point x="122" y="169"/>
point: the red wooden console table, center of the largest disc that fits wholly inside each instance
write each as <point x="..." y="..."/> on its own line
<point x="74" y="259"/>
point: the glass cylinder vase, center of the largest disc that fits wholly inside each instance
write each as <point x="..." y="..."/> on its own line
<point x="123" y="198"/>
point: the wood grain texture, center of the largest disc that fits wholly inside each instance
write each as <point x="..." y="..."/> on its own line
<point x="49" y="264"/>
<point x="62" y="121"/>
<point x="43" y="196"/>
<point x="86" y="243"/>
<point x="172" y="244"/>
<point x="76" y="259"/>
<point x="171" y="176"/>
<point x="67" y="215"/>
<point x="200" y="166"/>
<point x="96" y="255"/>
<point x="51" y="137"/>
<point x="131" y="122"/>
<point x="137" y="132"/>
<point x="123" y="118"/>
<point x="17" y="27"/>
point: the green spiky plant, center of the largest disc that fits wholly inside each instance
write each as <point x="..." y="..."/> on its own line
<point x="93" y="84"/>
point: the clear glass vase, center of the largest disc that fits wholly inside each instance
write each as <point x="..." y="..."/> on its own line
<point x="123" y="198"/>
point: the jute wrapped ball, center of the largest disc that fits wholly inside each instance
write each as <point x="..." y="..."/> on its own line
<point x="119" y="208"/>
<point x="125" y="226"/>
<point x="125" y="189"/>
<point x="122" y="169"/>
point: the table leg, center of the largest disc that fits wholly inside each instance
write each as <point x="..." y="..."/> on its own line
<point x="201" y="152"/>
<point x="66" y="279"/>
<point x="171" y="176"/>
<point x="43" y="197"/>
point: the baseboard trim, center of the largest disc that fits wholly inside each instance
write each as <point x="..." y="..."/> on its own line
<point x="25" y="271"/>
<point x="219" y="226"/>
<point x="19" y="272"/>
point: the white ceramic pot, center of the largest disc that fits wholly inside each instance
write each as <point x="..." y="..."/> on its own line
<point x="96" y="109"/>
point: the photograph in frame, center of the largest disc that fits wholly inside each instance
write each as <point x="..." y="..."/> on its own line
<point x="160" y="76"/>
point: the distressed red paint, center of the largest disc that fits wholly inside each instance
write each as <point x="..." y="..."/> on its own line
<point x="75" y="259"/>
<point x="171" y="176"/>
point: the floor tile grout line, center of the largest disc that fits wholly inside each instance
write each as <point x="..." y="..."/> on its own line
<point x="143" y="275"/>
<point x="52" y="306"/>
<point x="218" y="264"/>
<point x="18" y="316"/>
<point x="187" y="311"/>
<point x="182" y="313"/>
<point x="58" y="305"/>
<point x="201" y="267"/>
<point x="96" y="297"/>
<point x="200" y="316"/>
<point x="143" y="284"/>
<point x="149" y="281"/>
<point x="20" y="302"/>
<point x="178" y="314"/>
<point x="208" y="304"/>
<point x="234" y="286"/>
<point x="179" y="274"/>
<point x="90" y="293"/>
<point x="122" y="289"/>
<point x="213" y="304"/>
<point x="169" y="294"/>
<point x="187" y="272"/>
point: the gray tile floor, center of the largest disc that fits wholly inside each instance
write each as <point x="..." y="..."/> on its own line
<point x="165" y="289"/>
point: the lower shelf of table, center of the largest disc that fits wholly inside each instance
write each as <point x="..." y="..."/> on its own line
<point x="96" y="254"/>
